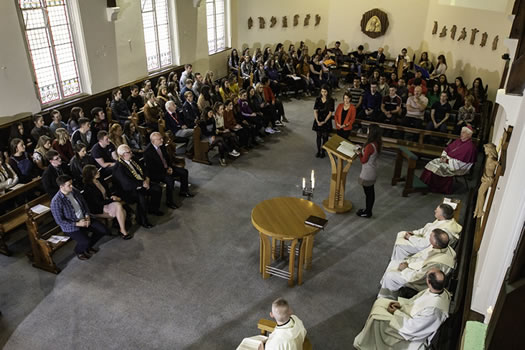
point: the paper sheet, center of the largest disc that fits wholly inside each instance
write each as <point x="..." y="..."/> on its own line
<point x="57" y="239"/>
<point x="347" y="148"/>
<point x="39" y="209"/>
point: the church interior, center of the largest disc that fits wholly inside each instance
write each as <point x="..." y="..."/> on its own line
<point x="215" y="244"/>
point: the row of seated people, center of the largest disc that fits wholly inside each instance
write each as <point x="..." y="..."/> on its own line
<point x="421" y="260"/>
<point x="409" y="106"/>
<point x="78" y="209"/>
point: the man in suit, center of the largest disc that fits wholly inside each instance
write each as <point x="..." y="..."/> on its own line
<point x="136" y="186"/>
<point x="160" y="169"/>
<point x="178" y="126"/>
<point x="52" y="172"/>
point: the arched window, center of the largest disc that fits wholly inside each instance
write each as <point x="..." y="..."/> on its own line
<point x="155" y="20"/>
<point x="216" y="24"/>
<point x="51" y="47"/>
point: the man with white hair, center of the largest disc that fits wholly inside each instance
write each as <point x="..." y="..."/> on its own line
<point x="160" y="168"/>
<point x="178" y="126"/>
<point x="410" y="272"/>
<point x="456" y="160"/>
<point x="407" y="323"/>
<point x="136" y="186"/>
<point x="412" y="242"/>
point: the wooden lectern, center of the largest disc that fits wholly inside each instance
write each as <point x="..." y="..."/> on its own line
<point x="336" y="202"/>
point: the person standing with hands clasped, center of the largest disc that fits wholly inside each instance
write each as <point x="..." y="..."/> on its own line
<point x="368" y="158"/>
<point x="323" y="110"/>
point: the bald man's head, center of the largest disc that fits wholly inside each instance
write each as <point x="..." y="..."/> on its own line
<point x="436" y="280"/>
<point x="439" y="238"/>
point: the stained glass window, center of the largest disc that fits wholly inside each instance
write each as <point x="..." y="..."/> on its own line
<point x="50" y="44"/>
<point x="216" y="25"/>
<point x="155" y="20"/>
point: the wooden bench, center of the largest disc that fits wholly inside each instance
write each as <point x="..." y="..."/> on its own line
<point x="412" y="184"/>
<point x="420" y="147"/>
<point x="267" y="326"/>
<point x="200" y="147"/>
<point x="40" y="227"/>
<point x="16" y="217"/>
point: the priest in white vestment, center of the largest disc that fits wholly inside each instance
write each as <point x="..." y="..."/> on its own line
<point x="406" y="324"/>
<point x="411" y="271"/>
<point x="412" y="242"/>
<point x="289" y="333"/>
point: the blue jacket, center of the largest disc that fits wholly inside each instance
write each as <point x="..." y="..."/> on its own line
<point x="63" y="211"/>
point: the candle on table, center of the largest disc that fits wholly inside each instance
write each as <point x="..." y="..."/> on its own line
<point x="304" y="183"/>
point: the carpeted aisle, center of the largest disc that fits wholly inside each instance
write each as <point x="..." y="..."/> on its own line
<point x="192" y="281"/>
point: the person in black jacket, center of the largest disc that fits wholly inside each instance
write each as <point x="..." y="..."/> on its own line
<point x="100" y="201"/>
<point x="119" y="107"/>
<point x="190" y="110"/>
<point x="160" y="168"/>
<point x="78" y="162"/>
<point x="52" y="172"/>
<point x="135" y="186"/>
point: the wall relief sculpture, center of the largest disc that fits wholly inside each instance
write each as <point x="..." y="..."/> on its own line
<point x="374" y="23"/>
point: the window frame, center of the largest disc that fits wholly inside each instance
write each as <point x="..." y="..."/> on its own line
<point x="72" y="32"/>
<point x="170" y="40"/>
<point x="227" y="29"/>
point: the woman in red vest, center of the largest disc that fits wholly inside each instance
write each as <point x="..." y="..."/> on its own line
<point x="345" y="116"/>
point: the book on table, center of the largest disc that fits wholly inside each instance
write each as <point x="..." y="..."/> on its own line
<point x="316" y="221"/>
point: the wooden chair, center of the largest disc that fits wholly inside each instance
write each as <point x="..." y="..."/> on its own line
<point x="412" y="184"/>
<point x="16" y="217"/>
<point x="40" y="227"/>
<point x="200" y="147"/>
<point x="267" y="326"/>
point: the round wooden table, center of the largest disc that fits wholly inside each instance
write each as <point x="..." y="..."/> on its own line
<point x="282" y="219"/>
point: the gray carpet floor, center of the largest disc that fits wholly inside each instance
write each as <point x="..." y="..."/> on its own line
<point x="192" y="281"/>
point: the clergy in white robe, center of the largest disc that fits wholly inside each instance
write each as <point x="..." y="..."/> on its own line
<point x="455" y="160"/>
<point x="406" y="324"/>
<point x="411" y="271"/>
<point x="289" y="334"/>
<point x="411" y="242"/>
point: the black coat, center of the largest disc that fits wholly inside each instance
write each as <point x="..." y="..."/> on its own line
<point x="126" y="182"/>
<point x="49" y="179"/>
<point x="94" y="198"/>
<point x="154" y="166"/>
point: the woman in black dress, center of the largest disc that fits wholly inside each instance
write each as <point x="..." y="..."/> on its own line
<point x="323" y="112"/>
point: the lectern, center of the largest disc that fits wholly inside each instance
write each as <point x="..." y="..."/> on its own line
<point x="340" y="151"/>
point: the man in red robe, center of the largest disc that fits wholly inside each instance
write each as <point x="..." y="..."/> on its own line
<point x="456" y="160"/>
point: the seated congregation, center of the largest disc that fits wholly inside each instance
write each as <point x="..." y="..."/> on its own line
<point x="98" y="168"/>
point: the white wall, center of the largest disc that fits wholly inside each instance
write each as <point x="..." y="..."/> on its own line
<point x="469" y="61"/>
<point x="313" y="36"/>
<point x="507" y="215"/>
<point x="17" y="91"/>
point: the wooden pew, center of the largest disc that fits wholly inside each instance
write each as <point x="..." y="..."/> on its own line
<point x="412" y="184"/>
<point x="267" y="326"/>
<point x="200" y="147"/>
<point x="419" y="147"/>
<point x="40" y="227"/>
<point x="16" y="217"/>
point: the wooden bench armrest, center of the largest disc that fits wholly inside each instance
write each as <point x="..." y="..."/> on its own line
<point x="407" y="152"/>
<point x="266" y="326"/>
